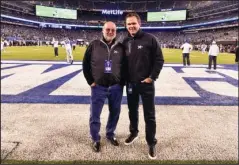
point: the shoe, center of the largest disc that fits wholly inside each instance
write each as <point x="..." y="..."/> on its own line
<point x="113" y="141"/>
<point x="131" y="139"/>
<point x="72" y="62"/>
<point x="152" y="152"/>
<point x="96" y="146"/>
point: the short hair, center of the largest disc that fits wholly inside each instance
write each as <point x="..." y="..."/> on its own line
<point x="133" y="15"/>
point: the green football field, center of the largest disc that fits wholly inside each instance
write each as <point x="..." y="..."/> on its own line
<point x="47" y="53"/>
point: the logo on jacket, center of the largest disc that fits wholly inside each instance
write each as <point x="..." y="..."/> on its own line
<point x="140" y="46"/>
<point x="115" y="51"/>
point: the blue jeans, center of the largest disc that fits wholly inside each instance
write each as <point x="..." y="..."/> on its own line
<point x="98" y="95"/>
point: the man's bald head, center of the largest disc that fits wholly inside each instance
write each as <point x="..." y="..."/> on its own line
<point x="109" y="31"/>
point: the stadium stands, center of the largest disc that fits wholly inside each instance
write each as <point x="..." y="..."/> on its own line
<point x="89" y="14"/>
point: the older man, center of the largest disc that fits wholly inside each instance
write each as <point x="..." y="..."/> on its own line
<point x="103" y="70"/>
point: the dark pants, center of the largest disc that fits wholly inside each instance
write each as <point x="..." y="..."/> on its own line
<point x="147" y="93"/>
<point x="98" y="95"/>
<point x="237" y="56"/>
<point x="56" y="51"/>
<point x="214" y="60"/>
<point x="186" y="59"/>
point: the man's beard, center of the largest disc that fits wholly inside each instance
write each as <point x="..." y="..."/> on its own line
<point x="107" y="38"/>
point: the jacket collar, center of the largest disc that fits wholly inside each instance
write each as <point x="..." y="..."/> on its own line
<point x="137" y="35"/>
<point x="112" y="43"/>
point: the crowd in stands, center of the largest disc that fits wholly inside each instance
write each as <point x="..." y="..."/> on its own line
<point x="167" y="38"/>
<point x="199" y="12"/>
<point x="92" y="19"/>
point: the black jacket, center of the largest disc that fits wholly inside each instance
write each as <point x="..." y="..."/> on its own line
<point x="94" y="63"/>
<point x="144" y="57"/>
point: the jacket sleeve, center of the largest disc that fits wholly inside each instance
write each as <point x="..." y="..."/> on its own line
<point x="181" y="46"/>
<point x="87" y="65"/>
<point x="210" y="51"/>
<point x="124" y="70"/>
<point x="158" y="59"/>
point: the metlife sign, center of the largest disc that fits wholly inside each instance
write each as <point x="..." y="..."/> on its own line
<point x="112" y="12"/>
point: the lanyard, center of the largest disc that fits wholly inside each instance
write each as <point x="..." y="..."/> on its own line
<point x="108" y="48"/>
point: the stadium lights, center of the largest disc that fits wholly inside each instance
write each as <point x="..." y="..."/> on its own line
<point x="120" y="27"/>
<point x="212" y="22"/>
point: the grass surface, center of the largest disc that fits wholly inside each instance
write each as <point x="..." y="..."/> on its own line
<point x="47" y="53"/>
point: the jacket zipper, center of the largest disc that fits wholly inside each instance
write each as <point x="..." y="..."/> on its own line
<point x="108" y="48"/>
<point x="109" y="52"/>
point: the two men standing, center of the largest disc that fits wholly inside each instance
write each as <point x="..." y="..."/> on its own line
<point x="107" y="65"/>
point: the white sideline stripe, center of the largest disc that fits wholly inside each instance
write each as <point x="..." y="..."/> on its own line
<point x="80" y="62"/>
<point x="192" y="66"/>
<point x="8" y="65"/>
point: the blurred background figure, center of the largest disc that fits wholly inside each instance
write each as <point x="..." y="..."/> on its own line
<point x="203" y="48"/>
<point x="55" y="45"/>
<point x="2" y="45"/>
<point x="69" y="56"/>
<point x="213" y="52"/>
<point x="74" y="44"/>
<point x="187" y="48"/>
<point x="237" y="54"/>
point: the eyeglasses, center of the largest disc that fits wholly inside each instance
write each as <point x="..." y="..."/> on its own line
<point x="108" y="30"/>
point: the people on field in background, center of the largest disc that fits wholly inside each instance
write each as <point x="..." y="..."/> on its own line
<point x="74" y="45"/>
<point x="213" y="52"/>
<point x="103" y="68"/>
<point x="2" y="45"/>
<point x="237" y="54"/>
<point x="55" y="45"/>
<point x="187" y="48"/>
<point x="203" y="48"/>
<point x="69" y="55"/>
<point x="144" y="62"/>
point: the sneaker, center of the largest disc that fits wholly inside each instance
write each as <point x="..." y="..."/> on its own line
<point x="152" y="152"/>
<point x="96" y="146"/>
<point x="131" y="139"/>
<point x="72" y="62"/>
<point x="113" y="141"/>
